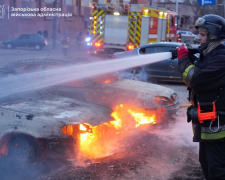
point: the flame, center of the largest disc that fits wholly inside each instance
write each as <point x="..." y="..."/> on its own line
<point x="107" y="81"/>
<point x="117" y="123"/>
<point x="140" y="118"/>
<point x="101" y="141"/>
<point x="82" y="127"/>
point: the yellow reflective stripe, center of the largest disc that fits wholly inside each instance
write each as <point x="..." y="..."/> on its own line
<point x="97" y="38"/>
<point x="138" y="36"/>
<point x="100" y="12"/>
<point x="99" y="24"/>
<point x="212" y="136"/>
<point x="132" y="27"/>
<point x="95" y="12"/>
<point x="132" y="33"/>
<point x="137" y="40"/>
<point x="132" y="39"/>
<point x="184" y="75"/>
<point x="99" y="31"/>
<point x="138" y="28"/>
<point x="138" y="33"/>
<point x="101" y="40"/>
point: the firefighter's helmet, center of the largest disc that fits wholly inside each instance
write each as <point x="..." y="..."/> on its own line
<point x="213" y="23"/>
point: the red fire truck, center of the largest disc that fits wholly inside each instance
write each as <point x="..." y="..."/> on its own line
<point x="124" y="27"/>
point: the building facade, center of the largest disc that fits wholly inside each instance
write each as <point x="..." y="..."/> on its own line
<point x="78" y="13"/>
<point x="186" y="16"/>
<point x="78" y="21"/>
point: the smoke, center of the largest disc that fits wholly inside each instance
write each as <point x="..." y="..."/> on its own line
<point x="178" y="132"/>
<point x="174" y="133"/>
<point x="138" y="74"/>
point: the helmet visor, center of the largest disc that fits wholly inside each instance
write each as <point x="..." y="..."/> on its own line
<point x="200" y="21"/>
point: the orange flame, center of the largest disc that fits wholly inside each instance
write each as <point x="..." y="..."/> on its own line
<point x="140" y="118"/>
<point x="100" y="142"/>
<point x="107" y="81"/>
<point x="117" y="123"/>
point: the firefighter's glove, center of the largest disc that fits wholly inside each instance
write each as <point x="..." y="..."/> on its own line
<point x="182" y="51"/>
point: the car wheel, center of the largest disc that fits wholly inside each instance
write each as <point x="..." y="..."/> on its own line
<point x="22" y="149"/>
<point x="134" y="75"/>
<point x="9" y="46"/>
<point x="37" y="47"/>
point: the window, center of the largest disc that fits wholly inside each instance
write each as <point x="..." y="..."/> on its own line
<point x="176" y="21"/>
<point x="29" y="69"/>
<point x="133" y="2"/>
<point x="171" y="21"/>
<point x="69" y="2"/>
<point x="48" y="1"/>
<point x="149" y="50"/>
<point x="181" y="20"/>
<point x="154" y="50"/>
<point x="168" y="49"/>
<point x="24" y="36"/>
<point x="142" y="51"/>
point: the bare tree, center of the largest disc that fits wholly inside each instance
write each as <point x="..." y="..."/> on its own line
<point x="200" y="10"/>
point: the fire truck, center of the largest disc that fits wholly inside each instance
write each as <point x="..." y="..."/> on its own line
<point x="122" y="27"/>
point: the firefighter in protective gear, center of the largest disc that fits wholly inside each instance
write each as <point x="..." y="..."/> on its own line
<point x="79" y="39"/>
<point x="65" y="43"/>
<point x="206" y="81"/>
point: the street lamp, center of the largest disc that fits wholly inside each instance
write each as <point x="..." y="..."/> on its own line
<point x="177" y="7"/>
<point x="55" y="5"/>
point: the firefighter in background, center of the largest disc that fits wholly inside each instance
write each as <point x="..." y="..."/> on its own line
<point x="206" y="79"/>
<point x="79" y="39"/>
<point x="65" y="43"/>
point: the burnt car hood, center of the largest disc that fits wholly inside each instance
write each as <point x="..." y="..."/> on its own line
<point x="140" y="94"/>
<point x="140" y="87"/>
<point x="61" y="110"/>
<point x="137" y="93"/>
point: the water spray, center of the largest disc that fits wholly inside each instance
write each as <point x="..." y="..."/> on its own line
<point x="76" y="72"/>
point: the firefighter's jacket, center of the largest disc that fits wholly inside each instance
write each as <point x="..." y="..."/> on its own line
<point x="206" y="79"/>
<point x="65" y="42"/>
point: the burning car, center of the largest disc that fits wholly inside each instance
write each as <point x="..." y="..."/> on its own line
<point x="33" y="120"/>
<point x="106" y="90"/>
